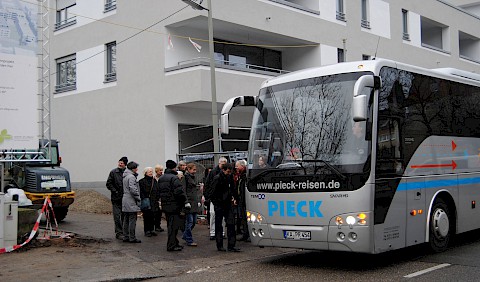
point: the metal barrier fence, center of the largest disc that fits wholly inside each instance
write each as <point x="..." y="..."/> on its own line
<point x="206" y="161"/>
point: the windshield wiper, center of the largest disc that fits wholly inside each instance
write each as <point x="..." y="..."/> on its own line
<point x="331" y="167"/>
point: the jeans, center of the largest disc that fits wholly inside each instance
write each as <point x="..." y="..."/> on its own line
<point x="190" y="220"/>
<point x="129" y="225"/>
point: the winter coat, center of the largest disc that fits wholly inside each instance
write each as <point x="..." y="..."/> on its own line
<point x="115" y="184"/>
<point x="223" y="190"/>
<point x="172" y="194"/>
<point x="149" y="189"/>
<point x="241" y="187"/>
<point x="192" y="191"/>
<point x="208" y="182"/>
<point x="131" y="192"/>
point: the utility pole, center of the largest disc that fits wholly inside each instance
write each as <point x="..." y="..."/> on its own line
<point x="195" y="4"/>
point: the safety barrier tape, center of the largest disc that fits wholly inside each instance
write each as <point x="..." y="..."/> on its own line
<point x="35" y="227"/>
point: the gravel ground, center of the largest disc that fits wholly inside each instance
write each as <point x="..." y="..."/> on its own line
<point x="91" y="201"/>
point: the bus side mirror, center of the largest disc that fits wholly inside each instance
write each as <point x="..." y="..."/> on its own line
<point x="360" y="100"/>
<point x="224" y="129"/>
<point x="231" y="103"/>
<point x="359" y="108"/>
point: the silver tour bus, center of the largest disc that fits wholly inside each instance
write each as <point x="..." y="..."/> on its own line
<point x="365" y="157"/>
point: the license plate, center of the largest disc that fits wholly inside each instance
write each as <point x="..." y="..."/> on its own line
<point x="297" y="235"/>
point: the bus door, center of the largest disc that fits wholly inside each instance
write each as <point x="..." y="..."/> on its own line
<point x="415" y="210"/>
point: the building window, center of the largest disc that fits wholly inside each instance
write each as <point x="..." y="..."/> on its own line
<point x="66" y="74"/>
<point x="64" y="15"/>
<point x="111" y="62"/>
<point x="341" y="11"/>
<point x="365" y="22"/>
<point x="341" y="55"/>
<point x="248" y="57"/>
<point x="406" y="36"/>
<point x="435" y="35"/>
<point x="110" y="5"/>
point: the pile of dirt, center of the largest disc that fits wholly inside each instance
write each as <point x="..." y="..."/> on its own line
<point x="91" y="201"/>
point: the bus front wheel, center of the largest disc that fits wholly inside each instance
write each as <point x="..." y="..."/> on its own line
<point x="441" y="226"/>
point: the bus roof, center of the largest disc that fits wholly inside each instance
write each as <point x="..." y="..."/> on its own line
<point x="374" y="66"/>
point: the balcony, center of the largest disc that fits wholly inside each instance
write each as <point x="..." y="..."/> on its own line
<point x="230" y="65"/>
<point x="65" y="23"/>
<point x="365" y="23"/>
<point x="64" y="87"/>
<point x="434" y="35"/>
<point x="110" y="77"/>
<point x="469" y="47"/>
<point x="110" y="5"/>
<point x="341" y="16"/>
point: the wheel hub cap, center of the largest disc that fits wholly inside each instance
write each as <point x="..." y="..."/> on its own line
<point x="440" y="223"/>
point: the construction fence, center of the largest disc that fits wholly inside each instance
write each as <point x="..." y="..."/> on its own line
<point x="206" y="161"/>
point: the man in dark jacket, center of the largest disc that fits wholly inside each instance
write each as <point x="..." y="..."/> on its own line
<point x="208" y="192"/>
<point x="224" y="200"/>
<point x="174" y="200"/>
<point x="115" y="185"/>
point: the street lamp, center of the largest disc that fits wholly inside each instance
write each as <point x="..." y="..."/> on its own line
<point x="195" y="4"/>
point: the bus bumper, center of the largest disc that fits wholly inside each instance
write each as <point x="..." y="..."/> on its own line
<point x="63" y="199"/>
<point x="354" y="239"/>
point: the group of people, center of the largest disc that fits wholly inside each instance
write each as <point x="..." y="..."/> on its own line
<point x="175" y="192"/>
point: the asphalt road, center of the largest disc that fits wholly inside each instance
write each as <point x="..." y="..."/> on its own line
<point x="96" y="256"/>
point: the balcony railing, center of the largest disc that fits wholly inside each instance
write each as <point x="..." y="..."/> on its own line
<point x="341" y="16"/>
<point x="425" y="45"/>
<point x="109" y="77"/>
<point x="64" y="87"/>
<point x="365" y="24"/>
<point x="296" y="6"/>
<point x="232" y="65"/>
<point x="110" y="6"/>
<point x="65" y="23"/>
<point x="469" y="59"/>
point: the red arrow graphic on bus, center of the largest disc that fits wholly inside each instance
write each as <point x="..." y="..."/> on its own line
<point x="453" y="165"/>
<point x="453" y="145"/>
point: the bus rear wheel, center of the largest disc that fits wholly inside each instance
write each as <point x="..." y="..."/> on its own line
<point x="441" y="226"/>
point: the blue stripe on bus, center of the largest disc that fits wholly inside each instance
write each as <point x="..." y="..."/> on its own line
<point x="437" y="183"/>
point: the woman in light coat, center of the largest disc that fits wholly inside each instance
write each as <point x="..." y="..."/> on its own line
<point x="130" y="202"/>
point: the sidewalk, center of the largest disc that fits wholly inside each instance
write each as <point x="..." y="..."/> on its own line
<point x="97" y="256"/>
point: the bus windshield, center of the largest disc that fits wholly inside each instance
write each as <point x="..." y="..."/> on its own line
<point x="307" y="126"/>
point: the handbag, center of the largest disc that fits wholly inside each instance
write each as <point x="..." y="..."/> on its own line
<point x="145" y="203"/>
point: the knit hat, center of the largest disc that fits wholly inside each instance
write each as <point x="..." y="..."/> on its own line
<point x="171" y="164"/>
<point x="124" y="160"/>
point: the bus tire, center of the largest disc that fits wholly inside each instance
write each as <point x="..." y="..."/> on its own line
<point x="441" y="226"/>
<point x="60" y="213"/>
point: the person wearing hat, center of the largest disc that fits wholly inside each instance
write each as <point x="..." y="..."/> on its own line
<point x="174" y="200"/>
<point x="115" y="185"/>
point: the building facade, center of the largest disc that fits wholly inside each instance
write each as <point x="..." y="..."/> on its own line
<point x="132" y="77"/>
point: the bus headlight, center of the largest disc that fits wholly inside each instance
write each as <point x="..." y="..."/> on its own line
<point x="351" y="219"/>
<point x="254" y="217"/>
<point x="339" y="220"/>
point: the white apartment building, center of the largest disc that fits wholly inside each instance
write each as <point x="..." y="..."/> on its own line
<point x="131" y="78"/>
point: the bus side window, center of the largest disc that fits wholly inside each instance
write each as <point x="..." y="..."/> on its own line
<point x="390" y="160"/>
